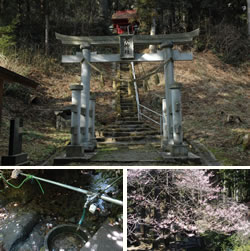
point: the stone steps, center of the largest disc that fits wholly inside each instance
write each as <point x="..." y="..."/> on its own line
<point x="126" y="99"/>
<point x="127" y="130"/>
<point x="127" y="114"/>
<point x="129" y="139"/>
<point x="126" y="106"/>
<point x="129" y="122"/>
<point x="130" y="134"/>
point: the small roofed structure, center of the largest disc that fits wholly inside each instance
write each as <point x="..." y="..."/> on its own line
<point x="125" y="21"/>
<point x="12" y="77"/>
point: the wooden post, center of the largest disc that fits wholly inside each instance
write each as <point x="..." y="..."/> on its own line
<point x="15" y="142"/>
<point x="1" y="102"/>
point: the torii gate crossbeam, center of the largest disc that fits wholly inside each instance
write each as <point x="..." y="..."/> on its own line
<point x="171" y="132"/>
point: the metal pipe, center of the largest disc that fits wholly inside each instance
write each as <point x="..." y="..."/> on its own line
<point x="136" y="91"/>
<point x="76" y="189"/>
<point x="150" y="119"/>
<point x="151" y="110"/>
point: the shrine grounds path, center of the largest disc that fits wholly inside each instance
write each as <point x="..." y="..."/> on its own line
<point x="140" y="155"/>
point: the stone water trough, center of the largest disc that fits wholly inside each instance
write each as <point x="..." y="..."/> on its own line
<point x="20" y="230"/>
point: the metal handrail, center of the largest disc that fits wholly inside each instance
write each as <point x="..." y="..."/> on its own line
<point x="150" y="110"/>
<point x="140" y="114"/>
<point x="158" y="123"/>
<point x="136" y="91"/>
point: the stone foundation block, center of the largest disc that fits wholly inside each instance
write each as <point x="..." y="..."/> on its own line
<point x="74" y="151"/>
<point x="178" y="150"/>
<point x="15" y="160"/>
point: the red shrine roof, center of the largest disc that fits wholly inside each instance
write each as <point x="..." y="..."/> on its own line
<point x="125" y="14"/>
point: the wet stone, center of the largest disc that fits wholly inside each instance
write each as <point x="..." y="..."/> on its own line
<point x="17" y="228"/>
<point x="34" y="242"/>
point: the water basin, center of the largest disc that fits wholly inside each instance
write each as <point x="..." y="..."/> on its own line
<point x="65" y="237"/>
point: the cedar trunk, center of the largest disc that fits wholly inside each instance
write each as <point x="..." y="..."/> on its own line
<point x="248" y="17"/>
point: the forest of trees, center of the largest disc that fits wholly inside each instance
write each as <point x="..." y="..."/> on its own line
<point x="165" y="206"/>
<point x="223" y="24"/>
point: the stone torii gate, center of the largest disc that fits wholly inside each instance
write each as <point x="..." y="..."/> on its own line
<point x="172" y="119"/>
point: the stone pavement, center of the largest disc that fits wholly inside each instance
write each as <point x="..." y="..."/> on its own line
<point x="107" y="238"/>
<point x="147" y="154"/>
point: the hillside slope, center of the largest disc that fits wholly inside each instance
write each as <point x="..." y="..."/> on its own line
<point x="216" y="101"/>
<point x="215" y="106"/>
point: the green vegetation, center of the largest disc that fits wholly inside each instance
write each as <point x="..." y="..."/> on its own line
<point x="8" y="36"/>
<point x="220" y="242"/>
<point x="42" y="144"/>
<point x="223" y="25"/>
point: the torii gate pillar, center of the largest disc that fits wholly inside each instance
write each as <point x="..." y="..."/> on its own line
<point x="169" y="81"/>
<point x="85" y="98"/>
<point x="172" y="115"/>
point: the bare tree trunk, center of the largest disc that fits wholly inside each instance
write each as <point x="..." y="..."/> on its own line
<point x="28" y="11"/>
<point x="1" y="6"/>
<point x="45" y="8"/>
<point x="103" y="8"/>
<point x="248" y="17"/>
<point x="46" y="34"/>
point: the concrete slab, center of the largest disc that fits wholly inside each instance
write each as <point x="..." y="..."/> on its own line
<point x="190" y="157"/>
<point x="107" y="238"/>
<point x="64" y="160"/>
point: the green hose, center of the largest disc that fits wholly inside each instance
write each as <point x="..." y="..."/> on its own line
<point x="82" y="219"/>
<point x="83" y="216"/>
<point x="29" y="177"/>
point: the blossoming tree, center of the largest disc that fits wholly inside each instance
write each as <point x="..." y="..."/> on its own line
<point x="166" y="203"/>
